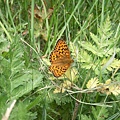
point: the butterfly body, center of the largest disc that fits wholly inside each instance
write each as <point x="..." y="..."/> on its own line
<point x="60" y="59"/>
<point x="63" y="61"/>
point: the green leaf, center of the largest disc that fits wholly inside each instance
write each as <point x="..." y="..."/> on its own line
<point x="20" y="112"/>
<point x="100" y="113"/>
<point x="25" y="83"/>
<point x="85" y="117"/>
<point x="4" y="44"/>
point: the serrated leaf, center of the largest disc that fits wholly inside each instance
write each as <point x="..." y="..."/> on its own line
<point x="25" y="83"/>
<point x="95" y="39"/>
<point x="100" y="113"/>
<point x="114" y="64"/>
<point x="105" y="29"/>
<point x="109" y="87"/>
<point x="84" y="57"/>
<point x="92" y="83"/>
<point x="115" y="88"/>
<point x="92" y="48"/>
<point x="85" y="117"/>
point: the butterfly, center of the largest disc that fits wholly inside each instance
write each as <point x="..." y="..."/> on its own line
<point x="60" y="59"/>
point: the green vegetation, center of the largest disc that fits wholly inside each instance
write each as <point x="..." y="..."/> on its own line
<point x="90" y="89"/>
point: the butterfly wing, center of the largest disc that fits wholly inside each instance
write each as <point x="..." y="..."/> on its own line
<point x="61" y="51"/>
<point x="60" y="59"/>
<point x="59" y="70"/>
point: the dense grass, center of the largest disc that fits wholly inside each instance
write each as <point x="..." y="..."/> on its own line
<point x="28" y="35"/>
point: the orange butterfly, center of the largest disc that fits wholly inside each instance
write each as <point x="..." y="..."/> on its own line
<point x="60" y="59"/>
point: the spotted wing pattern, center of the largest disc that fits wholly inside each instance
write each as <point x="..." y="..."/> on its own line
<point x="60" y="59"/>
